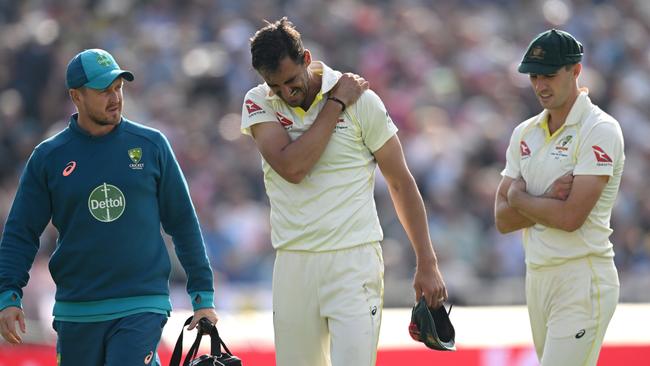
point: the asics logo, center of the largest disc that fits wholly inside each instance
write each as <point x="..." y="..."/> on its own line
<point x="148" y="358"/>
<point x="69" y="168"/>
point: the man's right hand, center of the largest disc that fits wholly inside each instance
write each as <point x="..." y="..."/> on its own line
<point x="561" y="188"/>
<point x="349" y="88"/>
<point x="8" y="318"/>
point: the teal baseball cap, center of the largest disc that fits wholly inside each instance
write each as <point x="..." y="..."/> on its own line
<point x="95" y="69"/>
<point x="549" y="51"/>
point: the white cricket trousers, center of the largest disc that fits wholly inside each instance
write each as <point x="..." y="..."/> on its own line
<point x="327" y="306"/>
<point x="570" y="306"/>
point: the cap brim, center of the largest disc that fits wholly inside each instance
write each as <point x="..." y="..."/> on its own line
<point x="427" y="326"/>
<point x="103" y="81"/>
<point x="538" y="69"/>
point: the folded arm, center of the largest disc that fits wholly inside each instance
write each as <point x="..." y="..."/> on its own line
<point x="293" y="160"/>
<point x="507" y="218"/>
<point x="510" y="219"/>
<point x="567" y="215"/>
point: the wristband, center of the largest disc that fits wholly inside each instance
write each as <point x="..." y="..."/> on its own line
<point x="337" y="100"/>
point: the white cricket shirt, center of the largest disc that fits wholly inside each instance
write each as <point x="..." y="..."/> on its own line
<point x="333" y="207"/>
<point x="589" y="143"/>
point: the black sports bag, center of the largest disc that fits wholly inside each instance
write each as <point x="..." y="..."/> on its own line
<point x="216" y="356"/>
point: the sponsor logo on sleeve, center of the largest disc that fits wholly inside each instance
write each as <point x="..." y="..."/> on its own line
<point x="252" y="108"/>
<point x="524" y="149"/>
<point x="602" y="159"/>
<point x="286" y="122"/>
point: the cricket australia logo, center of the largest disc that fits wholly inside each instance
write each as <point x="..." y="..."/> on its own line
<point x="537" y="53"/>
<point x="106" y="203"/>
<point x="135" y="155"/>
<point x="565" y="141"/>
<point x="562" y="148"/>
<point x="104" y="60"/>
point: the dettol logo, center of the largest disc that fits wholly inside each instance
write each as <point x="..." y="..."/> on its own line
<point x="106" y="203"/>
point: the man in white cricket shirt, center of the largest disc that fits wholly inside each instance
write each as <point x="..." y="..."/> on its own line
<point x="563" y="170"/>
<point x="321" y="135"/>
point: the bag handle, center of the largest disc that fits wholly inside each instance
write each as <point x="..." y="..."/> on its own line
<point x="216" y="342"/>
<point x="178" y="349"/>
<point x="204" y="327"/>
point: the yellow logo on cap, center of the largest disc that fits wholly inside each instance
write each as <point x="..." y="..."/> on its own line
<point x="537" y="53"/>
<point x="103" y="60"/>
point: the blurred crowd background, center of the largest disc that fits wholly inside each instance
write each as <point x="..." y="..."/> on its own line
<point x="446" y="70"/>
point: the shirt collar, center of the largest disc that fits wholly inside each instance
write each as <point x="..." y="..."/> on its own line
<point x="580" y="106"/>
<point x="329" y="79"/>
<point x="73" y="124"/>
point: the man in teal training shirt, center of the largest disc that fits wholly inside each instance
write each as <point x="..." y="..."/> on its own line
<point x="107" y="184"/>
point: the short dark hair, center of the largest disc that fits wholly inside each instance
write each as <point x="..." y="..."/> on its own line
<point x="274" y="42"/>
<point x="568" y="67"/>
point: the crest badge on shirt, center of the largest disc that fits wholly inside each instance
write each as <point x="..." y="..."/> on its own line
<point x="135" y="155"/>
<point x="561" y="149"/>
